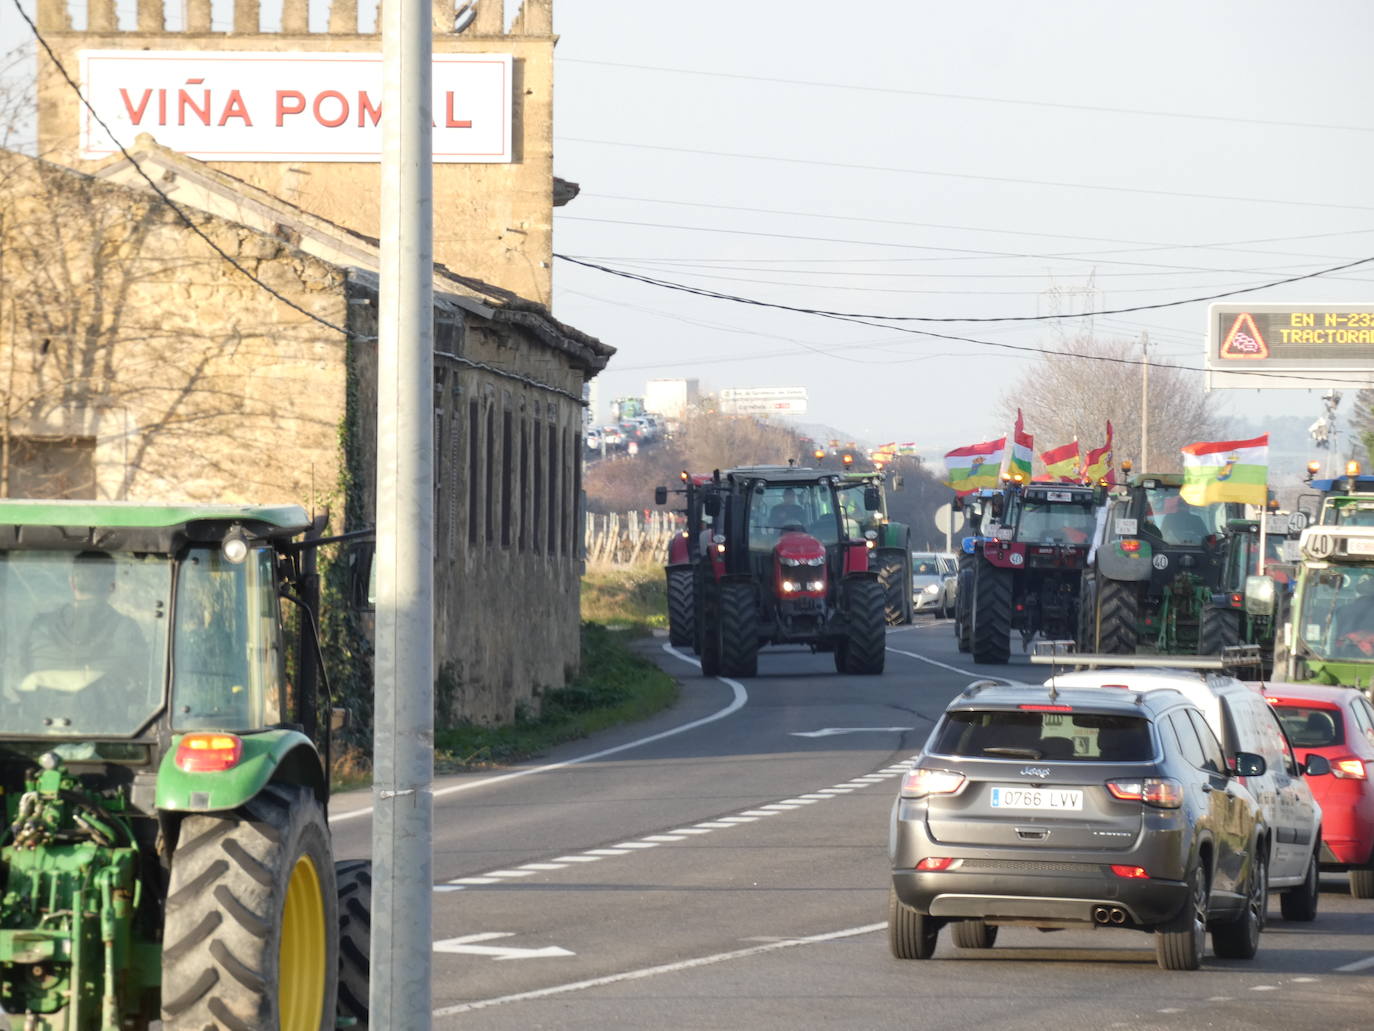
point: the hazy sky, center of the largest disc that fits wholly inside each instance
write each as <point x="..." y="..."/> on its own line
<point x="950" y="159"/>
<point x="980" y="159"/>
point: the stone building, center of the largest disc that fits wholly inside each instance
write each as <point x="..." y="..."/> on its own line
<point x="212" y="339"/>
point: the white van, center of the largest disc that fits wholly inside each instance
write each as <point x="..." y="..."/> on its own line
<point x="1240" y="717"/>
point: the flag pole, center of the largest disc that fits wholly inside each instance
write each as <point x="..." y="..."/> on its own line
<point x="1264" y="527"/>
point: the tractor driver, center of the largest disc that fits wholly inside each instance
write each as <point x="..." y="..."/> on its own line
<point x="87" y="640"/>
<point x="789" y="513"/>
<point x="1355" y="619"/>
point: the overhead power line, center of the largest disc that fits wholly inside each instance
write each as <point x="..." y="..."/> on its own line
<point x="975" y="98"/>
<point x="737" y="299"/>
<point x="967" y="176"/>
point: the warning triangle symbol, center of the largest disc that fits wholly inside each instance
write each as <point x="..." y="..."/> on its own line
<point x="1243" y="340"/>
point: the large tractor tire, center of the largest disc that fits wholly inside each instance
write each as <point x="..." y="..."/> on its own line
<point x="706" y="627"/>
<point x="1118" y="610"/>
<point x="681" y="608"/>
<point x="739" y="631"/>
<point x="864" y="649"/>
<point x="249" y="939"/>
<point x="894" y="573"/>
<point x="354" y="878"/>
<point x="990" y="639"/>
<point x="963" y="603"/>
<point x="1218" y="629"/>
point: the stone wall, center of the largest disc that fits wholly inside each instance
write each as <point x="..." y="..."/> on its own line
<point x="124" y="327"/>
<point x="493" y="222"/>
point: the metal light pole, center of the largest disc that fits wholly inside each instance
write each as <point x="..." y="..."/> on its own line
<point x="402" y="826"/>
<point x="1145" y="403"/>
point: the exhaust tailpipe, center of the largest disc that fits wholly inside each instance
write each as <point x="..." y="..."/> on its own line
<point x="1118" y="915"/>
<point x="1101" y="914"/>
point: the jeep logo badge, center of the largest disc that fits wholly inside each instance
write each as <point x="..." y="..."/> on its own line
<point x="1035" y="771"/>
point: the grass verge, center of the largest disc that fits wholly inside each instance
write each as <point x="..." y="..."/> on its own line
<point x="626" y="596"/>
<point x="615" y="686"/>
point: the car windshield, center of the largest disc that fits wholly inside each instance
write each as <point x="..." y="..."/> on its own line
<point x="83" y="642"/>
<point x="1310" y="727"/>
<point x="1337" y="616"/>
<point x="926" y="565"/>
<point x="1059" y="736"/>
<point x="1170" y="518"/>
<point x="1055" y="522"/>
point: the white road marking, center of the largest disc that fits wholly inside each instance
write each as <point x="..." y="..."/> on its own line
<point x="468" y="945"/>
<point x="942" y="665"/>
<point x="510" y="873"/>
<point x="474" y="880"/>
<point x="739" y="819"/>
<point x="780" y="806"/>
<point x="715" y="825"/>
<point x="691" y="830"/>
<point x="638" y="844"/>
<point x="608" y="851"/>
<point x="1359" y="964"/>
<point x="1305" y="980"/>
<point x="543" y="866"/>
<point x="578" y="859"/>
<point x="832" y="731"/>
<point x="448" y="887"/>
<point x="740" y="697"/>
<point x="814" y="796"/>
<point x="666" y="968"/>
<point x="663" y="837"/>
<point x="801" y="801"/>
<point x="761" y="812"/>
<point x="835" y="791"/>
<point x="1264" y="988"/>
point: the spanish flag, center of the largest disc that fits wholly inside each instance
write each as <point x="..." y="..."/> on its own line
<point x="975" y="466"/>
<point x="1098" y="464"/>
<point x="1062" y="462"/>
<point x="1226" y="470"/>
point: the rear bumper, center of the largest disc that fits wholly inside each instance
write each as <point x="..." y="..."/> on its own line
<point x="1058" y="898"/>
<point x="1340" y="853"/>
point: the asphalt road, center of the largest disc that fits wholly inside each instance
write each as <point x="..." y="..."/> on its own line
<point x="723" y="865"/>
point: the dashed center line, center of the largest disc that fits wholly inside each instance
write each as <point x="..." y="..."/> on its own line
<point x="625" y="848"/>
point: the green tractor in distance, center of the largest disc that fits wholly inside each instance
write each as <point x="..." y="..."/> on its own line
<point x="1251" y="605"/>
<point x="1156" y="566"/>
<point x="165" y="853"/>
<point x="891" y="555"/>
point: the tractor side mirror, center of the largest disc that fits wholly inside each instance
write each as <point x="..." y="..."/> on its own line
<point x="711" y="505"/>
<point x="998" y="507"/>
<point x="1261" y="596"/>
<point x="362" y="576"/>
<point x="660" y="495"/>
<point x="872" y="499"/>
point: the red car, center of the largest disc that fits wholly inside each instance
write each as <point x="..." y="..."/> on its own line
<point x="1337" y="722"/>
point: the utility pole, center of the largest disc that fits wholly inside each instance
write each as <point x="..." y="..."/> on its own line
<point x="1145" y="402"/>
<point x="402" y="823"/>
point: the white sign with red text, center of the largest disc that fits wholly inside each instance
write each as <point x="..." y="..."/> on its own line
<point x="251" y="106"/>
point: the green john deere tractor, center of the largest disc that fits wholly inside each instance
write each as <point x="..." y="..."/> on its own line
<point x="892" y="547"/>
<point x="165" y="853"/>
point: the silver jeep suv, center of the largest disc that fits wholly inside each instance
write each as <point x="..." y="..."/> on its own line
<point x="1077" y="808"/>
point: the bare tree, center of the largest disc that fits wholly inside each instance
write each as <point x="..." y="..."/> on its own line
<point x="1084" y="380"/>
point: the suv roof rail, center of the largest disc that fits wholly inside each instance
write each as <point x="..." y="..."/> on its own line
<point x="978" y="685"/>
<point x="1235" y="657"/>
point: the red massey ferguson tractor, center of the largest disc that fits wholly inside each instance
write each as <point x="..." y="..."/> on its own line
<point x="778" y="561"/>
<point x="1022" y="568"/>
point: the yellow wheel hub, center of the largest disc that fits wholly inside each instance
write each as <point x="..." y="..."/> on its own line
<point x="301" y="971"/>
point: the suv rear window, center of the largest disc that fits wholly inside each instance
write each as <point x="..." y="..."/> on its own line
<point x="1311" y="727"/>
<point x="1060" y="736"/>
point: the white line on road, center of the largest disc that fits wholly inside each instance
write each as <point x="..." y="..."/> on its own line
<point x="666" y="968"/>
<point x="933" y="662"/>
<point x="576" y="859"/>
<point x="1359" y="964"/>
<point x="740" y="697"/>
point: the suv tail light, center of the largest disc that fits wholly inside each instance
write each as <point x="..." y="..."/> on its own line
<point x="1349" y="769"/>
<point x="934" y="863"/>
<point x="1162" y="792"/>
<point x="919" y="783"/>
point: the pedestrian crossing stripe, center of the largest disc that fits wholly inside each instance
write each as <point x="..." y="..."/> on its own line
<point x="1243" y="340"/>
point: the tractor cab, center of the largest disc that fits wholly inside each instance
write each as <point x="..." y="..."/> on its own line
<point x="153" y="701"/>
<point x="1340" y="501"/>
<point x="1331" y="634"/>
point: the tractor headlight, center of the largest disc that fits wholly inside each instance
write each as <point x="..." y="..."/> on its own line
<point x="815" y="585"/>
<point x="789" y="586"/>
